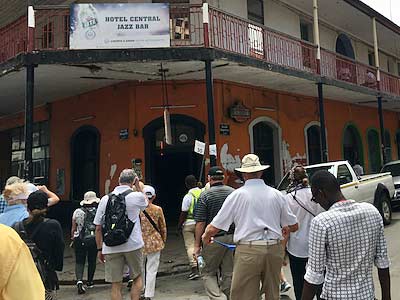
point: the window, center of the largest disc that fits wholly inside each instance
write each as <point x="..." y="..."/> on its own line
<point x="344" y="46"/>
<point x="47" y="36"/>
<point x="371" y="58"/>
<point x="344" y="175"/>
<point x="388" y="146"/>
<point x="40" y="152"/>
<point x="352" y="146"/>
<point x="306" y="31"/>
<point x="314" y="145"/>
<point x="255" y="10"/>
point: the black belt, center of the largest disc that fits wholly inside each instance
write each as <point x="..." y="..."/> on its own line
<point x="222" y="234"/>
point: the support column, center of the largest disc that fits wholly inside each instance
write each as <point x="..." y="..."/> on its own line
<point x="324" y="148"/>
<point x="378" y="81"/>
<point x="29" y="97"/>
<point x="210" y="108"/>
<point x="382" y="129"/>
<point x="316" y="35"/>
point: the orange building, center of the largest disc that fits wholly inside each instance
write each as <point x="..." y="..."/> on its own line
<point x="99" y="111"/>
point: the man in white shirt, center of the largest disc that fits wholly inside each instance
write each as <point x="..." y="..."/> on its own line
<point x="187" y="223"/>
<point x="345" y="242"/>
<point x="259" y="213"/>
<point x="129" y="253"/>
<point x="299" y="199"/>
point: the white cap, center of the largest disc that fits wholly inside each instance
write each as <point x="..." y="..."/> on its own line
<point x="149" y="191"/>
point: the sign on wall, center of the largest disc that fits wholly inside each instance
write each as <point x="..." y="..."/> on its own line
<point x="127" y="25"/>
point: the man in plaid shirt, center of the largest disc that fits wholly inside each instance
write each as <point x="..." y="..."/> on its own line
<point x="345" y="242"/>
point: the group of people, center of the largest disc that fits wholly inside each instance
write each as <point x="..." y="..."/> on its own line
<point x="23" y="211"/>
<point x="240" y="237"/>
<point x="139" y="253"/>
<point x="236" y="240"/>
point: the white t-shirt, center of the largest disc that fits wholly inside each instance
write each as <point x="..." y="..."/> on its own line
<point x="298" y="241"/>
<point x="135" y="203"/>
<point x="252" y="208"/>
<point x="186" y="202"/>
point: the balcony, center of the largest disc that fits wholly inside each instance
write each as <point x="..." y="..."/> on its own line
<point x="226" y="32"/>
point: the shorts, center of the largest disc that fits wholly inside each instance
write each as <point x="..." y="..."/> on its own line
<point x="115" y="263"/>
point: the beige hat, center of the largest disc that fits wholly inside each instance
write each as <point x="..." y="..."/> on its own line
<point x="251" y="164"/>
<point x="89" y="198"/>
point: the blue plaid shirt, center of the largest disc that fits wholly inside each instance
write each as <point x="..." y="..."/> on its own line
<point x="3" y="204"/>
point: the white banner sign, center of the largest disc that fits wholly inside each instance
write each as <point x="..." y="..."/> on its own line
<point x="199" y="147"/>
<point x="127" y="25"/>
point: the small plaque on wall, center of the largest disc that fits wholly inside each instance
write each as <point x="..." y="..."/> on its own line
<point x="224" y="129"/>
<point x="123" y="134"/>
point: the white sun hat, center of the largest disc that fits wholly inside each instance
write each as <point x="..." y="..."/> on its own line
<point x="250" y="164"/>
<point x="89" y="198"/>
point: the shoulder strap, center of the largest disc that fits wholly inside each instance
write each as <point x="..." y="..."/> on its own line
<point x="302" y="206"/>
<point x="151" y="221"/>
<point x="126" y="193"/>
<point x="33" y="234"/>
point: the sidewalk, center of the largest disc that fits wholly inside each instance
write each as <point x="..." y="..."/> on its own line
<point x="173" y="261"/>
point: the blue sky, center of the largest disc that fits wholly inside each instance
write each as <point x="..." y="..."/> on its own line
<point x="388" y="8"/>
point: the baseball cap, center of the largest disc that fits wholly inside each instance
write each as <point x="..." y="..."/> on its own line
<point x="215" y="171"/>
<point x="149" y="191"/>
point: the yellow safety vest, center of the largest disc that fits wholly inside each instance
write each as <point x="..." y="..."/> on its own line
<point x="195" y="196"/>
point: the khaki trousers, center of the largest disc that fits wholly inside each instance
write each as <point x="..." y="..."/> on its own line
<point x="255" y="264"/>
<point x="217" y="274"/>
<point x="188" y="236"/>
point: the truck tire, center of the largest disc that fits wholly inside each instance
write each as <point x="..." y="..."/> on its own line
<point x="385" y="208"/>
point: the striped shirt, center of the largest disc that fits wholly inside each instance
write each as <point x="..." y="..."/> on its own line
<point x="210" y="202"/>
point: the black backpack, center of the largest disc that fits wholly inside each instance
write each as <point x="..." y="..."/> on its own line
<point x="39" y="258"/>
<point x="87" y="234"/>
<point x="117" y="227"/>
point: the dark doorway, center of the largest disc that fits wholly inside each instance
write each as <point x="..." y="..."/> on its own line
<point x="352" y="146"/>
<point x="374" y="153"/>
<point x="5" y="157"/>
<point x="314" y="145"/>
<point x="85" y="144"/>
<point x="168" y="165"/>
<point x="344" y="46"/>
<point x="263" y="135"/>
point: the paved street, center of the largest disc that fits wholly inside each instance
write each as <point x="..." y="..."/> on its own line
<point x="178" y="288"/>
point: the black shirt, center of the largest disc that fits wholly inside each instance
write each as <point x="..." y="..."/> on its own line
<point x="49" y="239"/>
<point x="210" y="202"/>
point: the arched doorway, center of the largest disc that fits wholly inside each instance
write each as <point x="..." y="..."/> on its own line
<point x="313" y="142"/>
<point x="344" y="46"/>
<point x="265" y="137"/>
<point x="85" y="150"/>
<point x="352" y="146"/>
<point x="168" y="165"/>
<point x="374" y="152"/>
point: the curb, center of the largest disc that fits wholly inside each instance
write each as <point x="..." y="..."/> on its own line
<point x="159" y="275"/>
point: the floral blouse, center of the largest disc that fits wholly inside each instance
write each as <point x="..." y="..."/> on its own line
<point x="153" y="241"/>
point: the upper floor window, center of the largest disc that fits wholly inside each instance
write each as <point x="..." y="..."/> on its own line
<point x="371" y="58"/>
<point x="306" y="31"/>
<point x="255" y="10"/>
<point x="344" y="46"/>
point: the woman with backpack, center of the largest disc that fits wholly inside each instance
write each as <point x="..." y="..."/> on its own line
<point x="84" y="239"/>
<point x="44" y="237"/>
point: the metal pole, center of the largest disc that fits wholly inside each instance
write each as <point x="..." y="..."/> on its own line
<point x="210" y="108"/>
<point x="316" y="35"/>
<point x="382" y="129"/>
<point x="29" y="104"/>
<point x="324" y="149"/>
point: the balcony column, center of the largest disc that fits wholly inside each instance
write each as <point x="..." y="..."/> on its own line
<point x="378" y="81"/>
<point x="29" y="97"/>
<point x="324" y="148"/>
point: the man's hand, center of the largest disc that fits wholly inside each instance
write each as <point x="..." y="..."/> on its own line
<point x="100" y="257"/>
<point x="196" y="251"/>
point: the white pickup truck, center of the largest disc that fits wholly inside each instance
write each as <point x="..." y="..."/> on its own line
<point x="377" y="189"/>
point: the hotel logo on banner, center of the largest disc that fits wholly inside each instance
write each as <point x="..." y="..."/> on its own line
<point x="119" y="26"/>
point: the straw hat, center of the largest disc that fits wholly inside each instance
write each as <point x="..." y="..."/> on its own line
<point x="89" y="198"/>
<point x="251" y="164"/>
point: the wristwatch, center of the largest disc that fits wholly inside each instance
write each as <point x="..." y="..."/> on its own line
<point x="100" y="249"/>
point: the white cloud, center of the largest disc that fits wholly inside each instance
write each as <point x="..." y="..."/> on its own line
<point x="389" y="8"/>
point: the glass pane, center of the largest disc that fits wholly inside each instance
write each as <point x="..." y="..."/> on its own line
<point x="15" y="139"/>
<point x="344" y="175"/>
<point x="44" y="134"/>
<point x="38" y="153"/>
<point x="36" y="139"/>
<point x="17" y="155"/>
